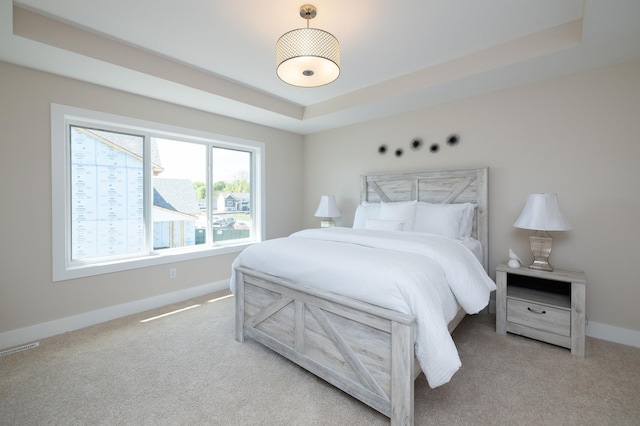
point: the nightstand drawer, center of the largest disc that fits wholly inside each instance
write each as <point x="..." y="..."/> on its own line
<point x="542" y="317"/>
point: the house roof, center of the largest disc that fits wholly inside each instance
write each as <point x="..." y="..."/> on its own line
<point x="129" y="143"/>
<point x="170" y="194"/>
<point x="175" y="194"/>
<point x="236" y="195"/>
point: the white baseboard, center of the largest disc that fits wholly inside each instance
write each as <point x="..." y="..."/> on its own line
<point x="613" y="334"/>
<point x="40" y="331"/>
<point x="601" y="331"/>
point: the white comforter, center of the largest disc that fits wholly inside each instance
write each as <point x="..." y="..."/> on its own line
<point x="414" y="273"/>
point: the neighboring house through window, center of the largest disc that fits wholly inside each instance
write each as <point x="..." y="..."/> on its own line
<point x="129" y="193"/>
<point x="175" y="213"/>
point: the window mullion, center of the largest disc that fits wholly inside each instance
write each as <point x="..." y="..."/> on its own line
<point x="148" y="192"/>
<point x="209" y="184"/>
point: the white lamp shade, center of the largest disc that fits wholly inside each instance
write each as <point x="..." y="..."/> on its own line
<point x="327" y="207"/>
<point x="308" y="57"/>
<point x="542" y="213"/>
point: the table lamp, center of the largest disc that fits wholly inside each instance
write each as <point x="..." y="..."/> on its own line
<point x="327" y="210"/>
<point x="541" y="213"/>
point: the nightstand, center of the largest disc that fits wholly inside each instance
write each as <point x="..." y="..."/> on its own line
<point x="546" y="306"/>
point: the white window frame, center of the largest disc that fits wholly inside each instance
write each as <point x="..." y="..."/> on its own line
<point x="62" y="116"/>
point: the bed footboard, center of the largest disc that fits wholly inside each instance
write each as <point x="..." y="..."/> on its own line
<point x="364" y="350"/>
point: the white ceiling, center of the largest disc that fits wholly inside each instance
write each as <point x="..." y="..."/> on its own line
<point x="219" y="56"/>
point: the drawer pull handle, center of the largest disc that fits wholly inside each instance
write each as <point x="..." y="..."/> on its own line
<point x="536" y="312"/>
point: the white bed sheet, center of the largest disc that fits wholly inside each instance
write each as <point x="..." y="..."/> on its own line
<point x="420" y="274"/>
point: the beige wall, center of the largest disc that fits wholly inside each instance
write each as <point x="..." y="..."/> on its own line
<point x="578" y="136"/>
<point x="27" y="294"/>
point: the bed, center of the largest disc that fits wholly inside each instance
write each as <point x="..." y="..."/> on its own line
<point x="372" y="351"/>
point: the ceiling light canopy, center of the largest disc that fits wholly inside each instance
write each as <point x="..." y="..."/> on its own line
<point x="308" y="57"/>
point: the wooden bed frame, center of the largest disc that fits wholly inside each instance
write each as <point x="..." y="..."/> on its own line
<point x="365" y="350"/>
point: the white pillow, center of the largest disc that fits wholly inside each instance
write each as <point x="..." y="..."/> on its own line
<point x="402" y="210"/>
<point x="449" y="220"/>
<point x="363" y="211"/>
<point x="466" y="227"/>
<point x="383" y="224"/>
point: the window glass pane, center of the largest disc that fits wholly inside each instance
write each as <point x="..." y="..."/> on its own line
<point x="179" y="193"/>
<point x="107" y="193"/>
<point x="232" y="209"/>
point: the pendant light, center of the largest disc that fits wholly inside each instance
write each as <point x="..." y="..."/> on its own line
<point x="308" y="57"/>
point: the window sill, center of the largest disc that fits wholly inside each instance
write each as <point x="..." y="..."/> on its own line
<point x="158" y="258"/>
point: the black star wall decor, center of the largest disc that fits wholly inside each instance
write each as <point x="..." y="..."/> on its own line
<point x="416" y="143"/>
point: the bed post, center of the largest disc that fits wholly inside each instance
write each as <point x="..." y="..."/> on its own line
<point x="402" y="377"/>
<point x="239" y="306"/>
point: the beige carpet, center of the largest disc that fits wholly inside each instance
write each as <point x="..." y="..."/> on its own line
<point x="187" y="369"/>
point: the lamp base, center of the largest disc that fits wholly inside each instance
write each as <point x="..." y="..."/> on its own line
<point x="541" y="248"/>
<point x="327" y="222"/>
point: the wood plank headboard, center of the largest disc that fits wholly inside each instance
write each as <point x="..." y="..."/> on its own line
<point x="436" y="186"/>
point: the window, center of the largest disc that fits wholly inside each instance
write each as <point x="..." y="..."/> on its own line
<point x="129" y="193"/>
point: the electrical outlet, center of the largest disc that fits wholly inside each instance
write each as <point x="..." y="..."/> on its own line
<point x="173" y="273"/>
